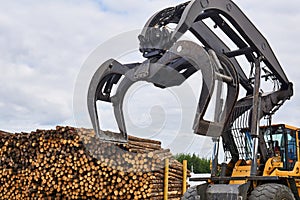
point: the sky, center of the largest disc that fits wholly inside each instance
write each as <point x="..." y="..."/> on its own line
<point x="44" y="46"/>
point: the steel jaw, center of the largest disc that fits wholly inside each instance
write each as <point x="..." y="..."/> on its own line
<point x="177" y="64"/>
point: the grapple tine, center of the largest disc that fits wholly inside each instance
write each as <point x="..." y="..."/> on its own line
<point x="103" y="74"/>
<point x="92" y="108"/>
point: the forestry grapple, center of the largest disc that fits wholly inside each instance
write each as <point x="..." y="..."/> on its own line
<point x="260" y="158"/>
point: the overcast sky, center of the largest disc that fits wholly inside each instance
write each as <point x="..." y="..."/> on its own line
<point x="43" y="45"/>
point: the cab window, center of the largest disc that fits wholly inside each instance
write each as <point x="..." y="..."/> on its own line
<point x="281" y="142"/>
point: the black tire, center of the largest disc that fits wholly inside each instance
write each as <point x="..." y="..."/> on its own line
<point x="191" y="194"/>
<point x="272" y="191"/>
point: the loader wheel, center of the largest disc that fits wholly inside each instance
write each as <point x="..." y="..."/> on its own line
<point x="191" y="194"/>
<point x="272" y="191"/>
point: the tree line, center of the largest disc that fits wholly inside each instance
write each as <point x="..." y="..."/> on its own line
<point x="195" y="163"/>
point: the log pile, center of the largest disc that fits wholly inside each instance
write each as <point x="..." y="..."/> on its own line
<point x="70" y="163"/>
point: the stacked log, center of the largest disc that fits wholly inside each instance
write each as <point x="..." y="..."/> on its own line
<point x="70" y="163"/>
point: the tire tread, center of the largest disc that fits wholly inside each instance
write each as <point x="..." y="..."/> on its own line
<point x="271" y="191"/>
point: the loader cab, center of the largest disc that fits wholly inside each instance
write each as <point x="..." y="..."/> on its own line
<point x="281" y="141"/>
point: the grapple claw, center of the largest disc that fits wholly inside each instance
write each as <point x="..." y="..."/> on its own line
<point x="182" y="60"/>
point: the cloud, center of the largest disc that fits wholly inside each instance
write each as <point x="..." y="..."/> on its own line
<point x="42" y="47"/>
<point x="44" y="43"/>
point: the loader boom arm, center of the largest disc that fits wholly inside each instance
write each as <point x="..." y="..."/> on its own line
<point x="249" y="42"/>
<point x="190" y="16"/>
<point x="164" y="63"/>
